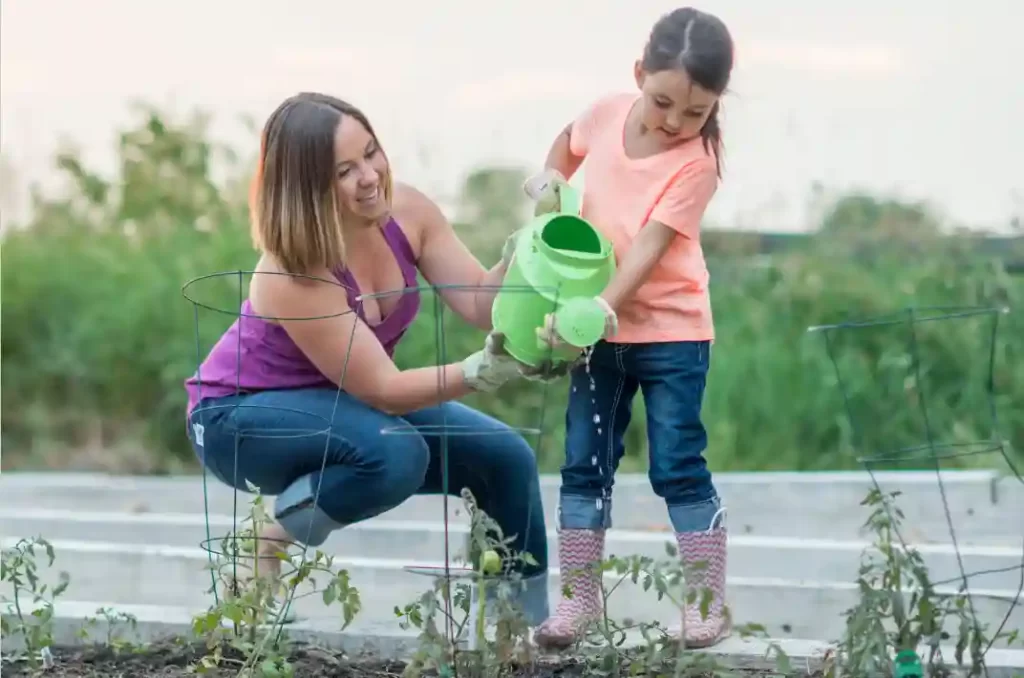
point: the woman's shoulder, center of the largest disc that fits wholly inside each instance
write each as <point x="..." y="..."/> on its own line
<point x="409" y="201"/>
<point x="413" y="203"/>
<point x="415" y="212"/>
<point x="274" y="292"/>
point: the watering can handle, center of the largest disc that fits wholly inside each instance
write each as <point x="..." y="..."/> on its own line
<point x="569" y="199"/>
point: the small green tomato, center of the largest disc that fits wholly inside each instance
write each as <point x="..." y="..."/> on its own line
<point x="491" y="563"/>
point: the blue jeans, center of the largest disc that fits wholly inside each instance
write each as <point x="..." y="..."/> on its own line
<point x="671" y="376"/>
<point x="374" y="462"/>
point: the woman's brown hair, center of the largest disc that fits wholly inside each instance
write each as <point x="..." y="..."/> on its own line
<point x="292" y="200"/>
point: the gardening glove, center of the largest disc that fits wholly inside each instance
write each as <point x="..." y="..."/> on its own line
<point x="549" y="371"/>
<point x="489" y="368"/>
<point x="543" y="188"/>
<point x="547" y="335"/>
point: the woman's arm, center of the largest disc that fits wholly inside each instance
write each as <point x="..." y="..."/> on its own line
<point x="344" y="348"/>
<point x="446" y="262"/>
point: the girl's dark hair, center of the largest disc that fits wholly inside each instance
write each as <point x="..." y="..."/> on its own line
<point x="700" y="44"/>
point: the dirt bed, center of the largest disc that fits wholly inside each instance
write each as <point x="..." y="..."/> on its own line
<point x="172" y="660"/>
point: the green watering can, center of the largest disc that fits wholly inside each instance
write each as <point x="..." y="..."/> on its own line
<point x="560" y="264"/>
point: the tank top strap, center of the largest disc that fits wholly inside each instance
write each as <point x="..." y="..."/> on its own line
<point x="402" y="248"/>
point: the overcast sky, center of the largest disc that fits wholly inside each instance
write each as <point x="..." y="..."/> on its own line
<point x="925" y="100"/>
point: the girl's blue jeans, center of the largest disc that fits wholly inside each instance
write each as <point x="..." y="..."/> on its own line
<point x="671" y="376"/>
<point x="374" y="462"/>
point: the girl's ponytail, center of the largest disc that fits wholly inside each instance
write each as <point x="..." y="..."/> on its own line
<point x="711" y="134"/>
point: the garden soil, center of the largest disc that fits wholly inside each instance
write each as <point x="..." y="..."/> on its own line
<point x="172" y="660"/>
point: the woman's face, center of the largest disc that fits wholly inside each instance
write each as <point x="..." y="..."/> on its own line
<point x="361" y="169"/>
<point x="673" y="107"/>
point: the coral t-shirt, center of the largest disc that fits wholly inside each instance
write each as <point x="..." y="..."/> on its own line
<point x="621" y="194"/>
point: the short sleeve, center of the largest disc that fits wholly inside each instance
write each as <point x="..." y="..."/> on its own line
<point x="590" y="122"/>
<point x="682" y="206"/>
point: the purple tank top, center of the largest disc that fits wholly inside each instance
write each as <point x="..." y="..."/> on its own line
<point x="269" y="357"/>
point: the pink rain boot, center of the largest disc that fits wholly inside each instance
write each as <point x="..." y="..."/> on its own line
<point x="578" y="551"/>
<point x="707" y="550"/>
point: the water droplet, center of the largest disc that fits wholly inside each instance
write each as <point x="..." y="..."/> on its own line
<point x="593" y="460"/>
<point x="588" y="352"/>
<point x="597" y="418"/>
<point x="573" y="389"/>
<point x="599" y="431"/>
<point x="600" y="504"/>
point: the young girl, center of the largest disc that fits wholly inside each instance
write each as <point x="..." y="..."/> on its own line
<point x="653" y="166"/>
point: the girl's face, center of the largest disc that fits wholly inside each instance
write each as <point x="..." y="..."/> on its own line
<point x="361" y="170"/>
<point x="672" y="107"/>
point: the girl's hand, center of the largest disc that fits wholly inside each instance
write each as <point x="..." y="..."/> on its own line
<point x="548" y="336"/>
<point x="543" y="188"/>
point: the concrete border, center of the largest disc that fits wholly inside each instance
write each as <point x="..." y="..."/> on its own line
<point x="45" y="479"/>
<point x="158" y="622"/>
<point x="221" y="521"/>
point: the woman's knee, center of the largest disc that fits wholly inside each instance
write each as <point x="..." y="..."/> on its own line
<point x="396" y="466"/>
<point x="487" y="447"/>
<point x="513" y="454"/>
<point x="376" y="478"/>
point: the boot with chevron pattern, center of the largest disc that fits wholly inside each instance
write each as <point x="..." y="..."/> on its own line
<point x="706" y="552"/>
<point x="579" y="553"/>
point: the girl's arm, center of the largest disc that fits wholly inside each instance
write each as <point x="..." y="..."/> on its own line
<point x="677" y="214"/>
<point x="647" y="248"/>
<point x="561" y="157"/>
<point x="447" y="263"/>
<point x="572" y="144"/>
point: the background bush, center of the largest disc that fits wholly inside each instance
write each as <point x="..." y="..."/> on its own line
<point x="98" y="337"/>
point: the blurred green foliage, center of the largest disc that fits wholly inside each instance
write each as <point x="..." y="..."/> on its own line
<point x="98" y="337"/>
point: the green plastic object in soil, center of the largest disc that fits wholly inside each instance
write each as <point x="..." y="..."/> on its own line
<point x="560" y="264"/>
<point x="907" y="665"/>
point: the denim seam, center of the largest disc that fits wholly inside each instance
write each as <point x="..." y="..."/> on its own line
<point x="610" y="452"/>
<point x="609" y="460"/>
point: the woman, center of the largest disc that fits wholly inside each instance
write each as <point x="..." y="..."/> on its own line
<point x="324" y="418"/>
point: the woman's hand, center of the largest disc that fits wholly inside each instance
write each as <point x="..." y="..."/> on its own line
<point x="549" y="370"/>
<point x="508" y="250"/>
<point x="491" y="367"/>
